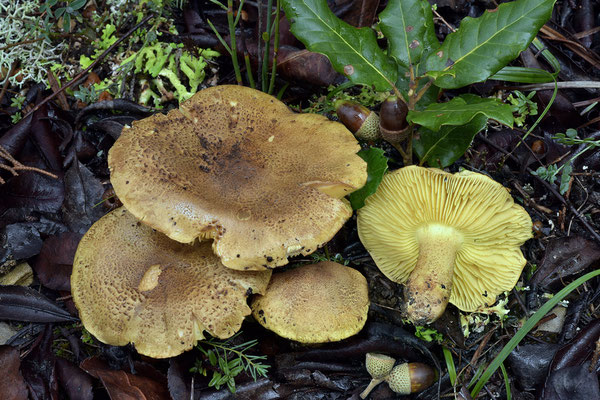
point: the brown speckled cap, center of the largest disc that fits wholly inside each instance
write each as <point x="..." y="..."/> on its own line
<point x="317" y="303"/>
<point x="132" y="284"/>
<point x="447" y="237"/>
<point x="236" y="165"/>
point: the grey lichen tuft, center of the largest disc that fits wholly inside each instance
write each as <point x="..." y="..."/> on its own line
<point x="24" y="46"/>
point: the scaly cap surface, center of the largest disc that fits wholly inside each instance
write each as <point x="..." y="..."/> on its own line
<point x="236" y="165"/>
<point x="317" y="303"/>
<point x="132" y="284"/>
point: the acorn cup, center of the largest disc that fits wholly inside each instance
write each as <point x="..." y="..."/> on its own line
<point x="392" y="120"/>
<point x="379" y="367"/>
<point x="410" y="378"/>
<point x="359" y="120"/>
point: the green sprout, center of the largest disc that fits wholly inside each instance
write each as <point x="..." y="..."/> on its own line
<point x="428" y="334"/>
<point x="522" y="106"/>
<point x="227" y="361"/>
<point x="550" y="173"/>
<point x="170" y="61"/>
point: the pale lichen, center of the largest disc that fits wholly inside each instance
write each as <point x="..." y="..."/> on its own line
<point x="25" y="48"/>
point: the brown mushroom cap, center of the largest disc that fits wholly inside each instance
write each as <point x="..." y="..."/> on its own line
<point x="236" y="165"/>
<point x="317" y="303"/>
<point x="132" y="284"/>
<point x="451" y="236"/>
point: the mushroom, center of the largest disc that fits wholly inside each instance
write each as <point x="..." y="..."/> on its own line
<point x="446" y="237"/>
<point x="317" y="303"/>
<point x="235" y="165"/>
<point x="132" y="284"/>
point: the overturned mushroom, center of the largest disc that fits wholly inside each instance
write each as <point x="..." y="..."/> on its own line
<point x="447" y="237"/>
<point x="236" y="165"/>
<point x="317" y="303"/>
<point x="132" y="284"/>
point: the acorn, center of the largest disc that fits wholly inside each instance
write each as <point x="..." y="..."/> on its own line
<point x="379" y="367"/>
<point x="411" y="378"/>
<point x="359" y="120"/>
<point x="392" y="120"/>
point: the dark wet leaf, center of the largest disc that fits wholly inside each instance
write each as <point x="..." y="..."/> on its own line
<point x="113" y="125"/>
<point x="562" y="111"/>
<point x="360" y="12"/>
<point x="487" y="156"/>
<point x="18" y="242"/>
<point x="12" y="385"/>
<point x="352" y="51"/>
<point x="119" y="384"/>
<point x="18" y="303"/>
<point x="54" y="264"/>
<point x="47" y="141"/>
<point x="38" y="368"/>
<point x="73" y="380"/>
<point x="178" y="380"/>
<point x="121" y="105"/>
<point x="529" y="363"/>
<point x="305" y="66"/>
<point x="14" y="139"/>
<point x="565" y="257"/>
<point x="32" y="190"/>
<point x="584" y="20"/>
<point x="572" y="383"/>
<point x="83" y="193"/>
<point x="376" y="168"/>
<point x="262" y="389"/>
<point x="579" y="349"/>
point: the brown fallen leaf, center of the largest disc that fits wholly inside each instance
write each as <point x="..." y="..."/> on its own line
<point x="565" y="257"/>
<point x="53" y="265"/>
<point x="147" y="384"/>
<point x="12" y="385"/>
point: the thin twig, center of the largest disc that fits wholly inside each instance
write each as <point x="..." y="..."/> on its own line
<point x="437" y="14"/>
<point x="80" y="75"/>
<point x="561" y="85"/>
<point x="17" y="166"/>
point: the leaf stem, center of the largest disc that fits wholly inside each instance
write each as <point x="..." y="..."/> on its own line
<point x="234" y="59"/>
<point x="275" y="48"/>
<point x="266" y="37"/>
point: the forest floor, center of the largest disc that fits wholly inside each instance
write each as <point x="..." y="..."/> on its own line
<point x="61" y="113"/>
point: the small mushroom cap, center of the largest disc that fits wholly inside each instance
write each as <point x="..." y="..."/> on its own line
<point x="236" y="165"/>
<point x="317" y="303"/>
<point x="481" y="211"/>
<point x="133" y="284"/>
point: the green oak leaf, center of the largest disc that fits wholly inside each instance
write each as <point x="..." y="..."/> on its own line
<point x="408" y="27"/>
<point x="461" y="110"/>
<point x="482" y="46"/>
<point x="352" y="51"/>
<point x="376" y="168"/>
<point x="442" y="148"/>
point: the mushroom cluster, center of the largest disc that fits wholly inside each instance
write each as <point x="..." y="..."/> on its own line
<point x="215" y="194"/>
<point x="448" y="238"/>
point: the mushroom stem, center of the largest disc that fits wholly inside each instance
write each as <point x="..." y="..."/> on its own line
<point x="429" y="285"/>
